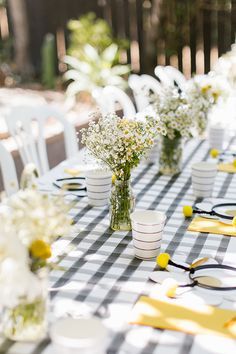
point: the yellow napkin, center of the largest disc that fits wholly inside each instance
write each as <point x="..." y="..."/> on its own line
<point x="201" y="319"/>
<point x="226" y="167"/>
<point x="200" y="224"/>
<point x="72" y="171"/>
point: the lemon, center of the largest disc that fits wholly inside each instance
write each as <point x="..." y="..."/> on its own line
<point x="214" y="153"/>
<point x="163" y="260"/>
<point x="187" y="211"/>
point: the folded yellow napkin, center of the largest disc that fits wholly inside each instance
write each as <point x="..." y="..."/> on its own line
<point x="226" y="167"/>
<point x="72" y="171"/>
<point x="200" y="319"/>
<point x="212" y="226"/>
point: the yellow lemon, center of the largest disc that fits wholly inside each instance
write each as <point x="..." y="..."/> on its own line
<point x="187" y="211"/>
<point x="214" y="153"/>
<point x="40" y="249"/>
<point x="163" y="260"/>
<point x="234" y="163"/>
<point x="234" y="221"/>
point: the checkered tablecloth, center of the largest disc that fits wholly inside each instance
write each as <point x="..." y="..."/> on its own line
<point x="100" y="275"/>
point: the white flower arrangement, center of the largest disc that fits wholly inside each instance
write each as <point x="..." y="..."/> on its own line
<point x="37" y="216"/>
<point x="226" y="66"/>
<point x="118" y="142"/>
<point x="204" y="91"/>
<point x="17" y="281"/>
<point x="172" y="113"/>
<point x="29" y="223"/>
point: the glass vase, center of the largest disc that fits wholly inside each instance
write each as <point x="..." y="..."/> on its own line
<point x="121" y="205"/>
<point x="170" y="160"/>
<point x="28" y="320"/>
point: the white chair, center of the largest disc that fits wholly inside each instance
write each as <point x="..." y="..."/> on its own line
<point x="176" y="76"/>
<point x="141" y="86"/>
<point x="111" y="98"/>
<point x="139" y="92"/>
<point x="26" y="124"/>
<point x="8" y="170"/>
<point x="162" y="75"/>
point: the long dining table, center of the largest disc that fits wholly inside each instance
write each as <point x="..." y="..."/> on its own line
<point x="98" y="274"/>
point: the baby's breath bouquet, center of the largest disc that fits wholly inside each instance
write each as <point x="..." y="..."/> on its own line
<point x="172" y="112"/>
<point x="120" y="144"/>
<point x="29" y="226"/>
<point x="204" y="91"/>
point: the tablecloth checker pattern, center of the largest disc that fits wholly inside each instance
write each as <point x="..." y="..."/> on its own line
<point x="99" y="274"/>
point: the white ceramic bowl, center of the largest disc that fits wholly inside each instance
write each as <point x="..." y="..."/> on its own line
<point x="148" y="237"/>
<point x="98" y="177"/>
<point x="203" y="180"/>
<point x="148" y="221"/>
<point x="99" y="189"/>
<point x="146" y="254"/>
<point x="144" y="245"/>
<point x="203" y="187"/>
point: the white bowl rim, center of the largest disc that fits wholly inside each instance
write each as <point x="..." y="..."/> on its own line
<point x="141" y="213"/>
<point x="204" y="166"/>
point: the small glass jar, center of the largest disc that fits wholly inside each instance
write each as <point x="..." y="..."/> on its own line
<point x="170" y="160"/>
<point x="121" y="205"/>
<point x="28" y="320"/>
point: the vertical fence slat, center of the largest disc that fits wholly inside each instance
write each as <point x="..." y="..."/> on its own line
<point x="193" y="38"/>
<point x="126" y="15"/>
<point x="139" y="12"/>
<point x="233" y="21"/>
<point x="207" y="35"/>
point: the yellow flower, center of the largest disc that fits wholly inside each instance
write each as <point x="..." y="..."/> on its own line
<point x="234" y="163"/>
<point x="214" y="153"/>
<point x="40" y="249"/>
<point x="187" y="211"/>
<point x="215" y="95"/>
<point x="234" y="221"/>
<point x="163" y="260"/>
<point x="113" y="179"/>
<point x="205" y="88"/>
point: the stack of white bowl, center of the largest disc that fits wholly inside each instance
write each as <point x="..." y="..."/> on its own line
<point x="216" y="136"/>
<point x="147" y="230"/>
<point x="203" y="178"/>
<point x="98" y="184"/>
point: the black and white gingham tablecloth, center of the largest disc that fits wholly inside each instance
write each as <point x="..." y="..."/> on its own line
<point x="100" y="275"/>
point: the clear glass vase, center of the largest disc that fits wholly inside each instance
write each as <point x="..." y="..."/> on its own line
<point x="28" y="320"/>
<point x="170" y="160"/>
<point x="121" y="205"/>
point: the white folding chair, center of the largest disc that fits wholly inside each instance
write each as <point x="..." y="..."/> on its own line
<point x="162" y="75"/>
<point x="112" y="96"/>
<point x="176" y="76"/>
<point x="8" y="170"/>
<point x="26" y="124"/>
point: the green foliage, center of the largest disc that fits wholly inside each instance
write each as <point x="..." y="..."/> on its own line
<point x="96" y="71"/>
<point x="93" y="58"/>
<point x="48" y="62"/>
<point x="91" y="30"/>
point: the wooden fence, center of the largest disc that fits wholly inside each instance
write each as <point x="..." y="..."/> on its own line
<point x="188" y="34"/>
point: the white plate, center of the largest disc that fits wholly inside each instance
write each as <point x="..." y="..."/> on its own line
<point x="159" y="276"/>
